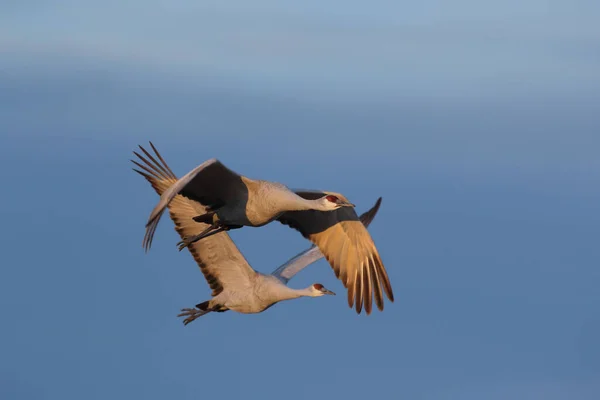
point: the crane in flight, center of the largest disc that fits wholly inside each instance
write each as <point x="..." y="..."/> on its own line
<point x="235" y="285"/>
<point x="225" y="200"/>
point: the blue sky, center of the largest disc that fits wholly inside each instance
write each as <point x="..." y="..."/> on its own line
<point x="477" y="122"/>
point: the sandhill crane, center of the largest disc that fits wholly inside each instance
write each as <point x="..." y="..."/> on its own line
<point x="236" y="286"/>
<point x="227" y="200"/>
<point x="233" y="201"/>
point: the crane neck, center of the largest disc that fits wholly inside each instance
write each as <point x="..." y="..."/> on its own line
<point x="289" y="293"/>
<point x="293" y="202"/>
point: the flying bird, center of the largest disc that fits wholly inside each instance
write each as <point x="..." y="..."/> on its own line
<point x="233" y="201"/>
<point x="236" y="286"/>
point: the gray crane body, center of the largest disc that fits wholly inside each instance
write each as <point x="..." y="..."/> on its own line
<point x="263" y="292"/>
<point x="266" y="201"/>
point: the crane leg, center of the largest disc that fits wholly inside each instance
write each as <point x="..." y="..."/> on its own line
<point x="211" y="230"/>
<point x="200" y="310"/>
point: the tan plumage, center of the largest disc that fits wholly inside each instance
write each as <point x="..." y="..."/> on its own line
<point x="232" y="201"/>
<point x="349" y="249"/>
<point x="339" y="233"/>
<point x="217" y="182"/>
<point x="217" y="256"/>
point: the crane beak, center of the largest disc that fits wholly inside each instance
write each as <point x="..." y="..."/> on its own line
<point x="325" y="291"/>
<point x="348" y="205"/>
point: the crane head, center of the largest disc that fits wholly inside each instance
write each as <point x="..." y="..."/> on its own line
<point x="334" y="202"/>
<point x="319" y="290"/>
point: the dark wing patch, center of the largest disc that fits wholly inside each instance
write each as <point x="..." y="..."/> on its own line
<point x="209" y="184"/>
<point x="218" y="257"/>
<point x="349" y="249"/>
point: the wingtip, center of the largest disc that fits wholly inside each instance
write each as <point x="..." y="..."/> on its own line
<point x="366" y="312"/>
<point x="368" y="216"/>
<point x="377" y="204"/>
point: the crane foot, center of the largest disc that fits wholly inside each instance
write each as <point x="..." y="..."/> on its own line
<point x="191" y="314"/>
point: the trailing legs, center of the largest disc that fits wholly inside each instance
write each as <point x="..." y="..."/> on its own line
<point x="200" y="310"/>
<point x="215" y="226"/>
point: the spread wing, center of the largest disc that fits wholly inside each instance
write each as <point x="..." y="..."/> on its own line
<point x="209" y="184"/>
<point x="296" y="264"/>
<point x="349" y="249"/>
<point x="219" y="259"/>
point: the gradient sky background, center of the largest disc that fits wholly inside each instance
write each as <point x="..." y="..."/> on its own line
<point x="478" y="123"/>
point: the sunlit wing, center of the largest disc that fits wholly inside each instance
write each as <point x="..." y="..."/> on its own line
<point x="297" y="263"/>
<point x="210" y="184"/>
<point x="219" y="259"/>
<point x="349" y="249"/>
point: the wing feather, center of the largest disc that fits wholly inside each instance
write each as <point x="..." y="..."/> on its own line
<point x="209" y="183"/>
<point x="218" y="257"/>
<point x="290" y="268"/>
<point x="347" y="246"/>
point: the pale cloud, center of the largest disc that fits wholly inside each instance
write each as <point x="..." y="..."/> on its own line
<point x="430" y="50"/>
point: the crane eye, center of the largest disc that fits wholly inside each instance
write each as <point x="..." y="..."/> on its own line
<point x="332" y="199"/>
<point x="318" y="286"/>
